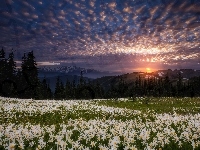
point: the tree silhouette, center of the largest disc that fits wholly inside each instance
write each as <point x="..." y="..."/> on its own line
<point x="62" y="91"/>
<point x="179" y="84"/>
<point x="68" y="90"/>
<point x="98" y="89"/>
<point x="7" y="75"/>
<point x="10" y="76"/>
<point x="3" y="65"/>
<point x="59" y="89"/>
<point x="167" y="86"/>
<point x="43" y="90"/>
<point x="30" y="73"/>
<point x="11" y="67"/>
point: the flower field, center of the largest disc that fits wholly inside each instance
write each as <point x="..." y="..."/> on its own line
<point x="164" y="123"/>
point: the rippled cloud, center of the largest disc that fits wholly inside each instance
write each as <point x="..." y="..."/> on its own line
<point x="142" y="31"/>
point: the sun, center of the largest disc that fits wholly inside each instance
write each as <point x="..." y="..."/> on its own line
<point x="148" y="70"/>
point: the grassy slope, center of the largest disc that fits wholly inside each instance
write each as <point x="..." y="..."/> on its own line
<point x="159" y="105"/>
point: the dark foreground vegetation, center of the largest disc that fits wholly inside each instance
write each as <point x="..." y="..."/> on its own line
<point x="24" y="83"/>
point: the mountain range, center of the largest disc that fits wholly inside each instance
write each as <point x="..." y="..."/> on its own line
<point x="130" y="77"/>
<point x="71" y="73"/>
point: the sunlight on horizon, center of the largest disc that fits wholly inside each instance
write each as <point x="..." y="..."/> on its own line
<point x="148" y="70"/>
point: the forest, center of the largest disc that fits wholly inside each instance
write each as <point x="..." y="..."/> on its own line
<point x="23" y="82"/>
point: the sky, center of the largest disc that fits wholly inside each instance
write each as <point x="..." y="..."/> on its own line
<point x="106" y="35"/>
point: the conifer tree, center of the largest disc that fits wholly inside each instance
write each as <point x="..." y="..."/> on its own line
<point x="167" y="86"/>
<point x="68" y="90"/>
<point x="20" y="81"/>
<point x="44" y="89"/>
<point x="42" y="92"/>
<point x="2" y="70"/>
<point x="3" y="65"/>
<point x="2" y="53"/>
<point x="74" y="90"/>
<point x="30" y="73"/>
<point x="7" y="75"/>
<point x="98" y="90"/>
<point x="49" y="92"/>
<point x="11" y="76"/>
<point x="11" y="68"/>
<point x="62" y="90"/>
<point x="57" y="89"/>
<point x="179" y="84"/>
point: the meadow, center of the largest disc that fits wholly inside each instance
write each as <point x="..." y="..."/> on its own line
<point x="141" y="123"/>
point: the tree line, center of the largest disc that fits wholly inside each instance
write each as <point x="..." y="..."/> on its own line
<point x="119" y="87"/>
<point x="23" y="82"/>
<point x="162" y="87"/>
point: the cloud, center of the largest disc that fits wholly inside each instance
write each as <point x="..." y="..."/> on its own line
<point x="165" y="31"/>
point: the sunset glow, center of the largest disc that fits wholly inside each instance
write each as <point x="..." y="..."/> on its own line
<point x="102" y="34"/>
<point x="148" y="70"/>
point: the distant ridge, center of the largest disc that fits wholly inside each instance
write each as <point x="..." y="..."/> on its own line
<point x="74" y="70"/>
<point x="130" y="77"/>
<point x="71" y="73"/>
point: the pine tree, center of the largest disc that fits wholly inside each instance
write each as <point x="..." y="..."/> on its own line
<point x="160" y="87"/>
<point x="137" y="86"/>
<point x="11" y="76"/>
<point x="30" y="73"/>
<point x="19" y="82"/>
<point x="2" y="53"/>
<point x="2" y="71"/>
<point x="68" y="90"/>
<point x="62" y="91"/>
<point x="99" y="92"/>
<point x="7" y="73"/>
<point x="11" y="66"/>
<point x="179" y="84"/>
<point x="81" y="79"/>
<point x="3" y="65"/>
<point x="42" y="90"/>
<point x="145" y="87"/>
<point x="49" y="92"/>
<point x="121" y="87"/>
<point x="167" y="86"/>
<point x="74" y="89"/>
<point x="57" y="89"/>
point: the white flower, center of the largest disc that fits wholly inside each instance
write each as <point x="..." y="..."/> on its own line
<point x="11" y="146"/>
<point x="92" y="143"/>
<point x="133" y="147"/>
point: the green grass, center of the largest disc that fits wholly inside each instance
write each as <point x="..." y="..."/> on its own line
<point x="158" y="105"/>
